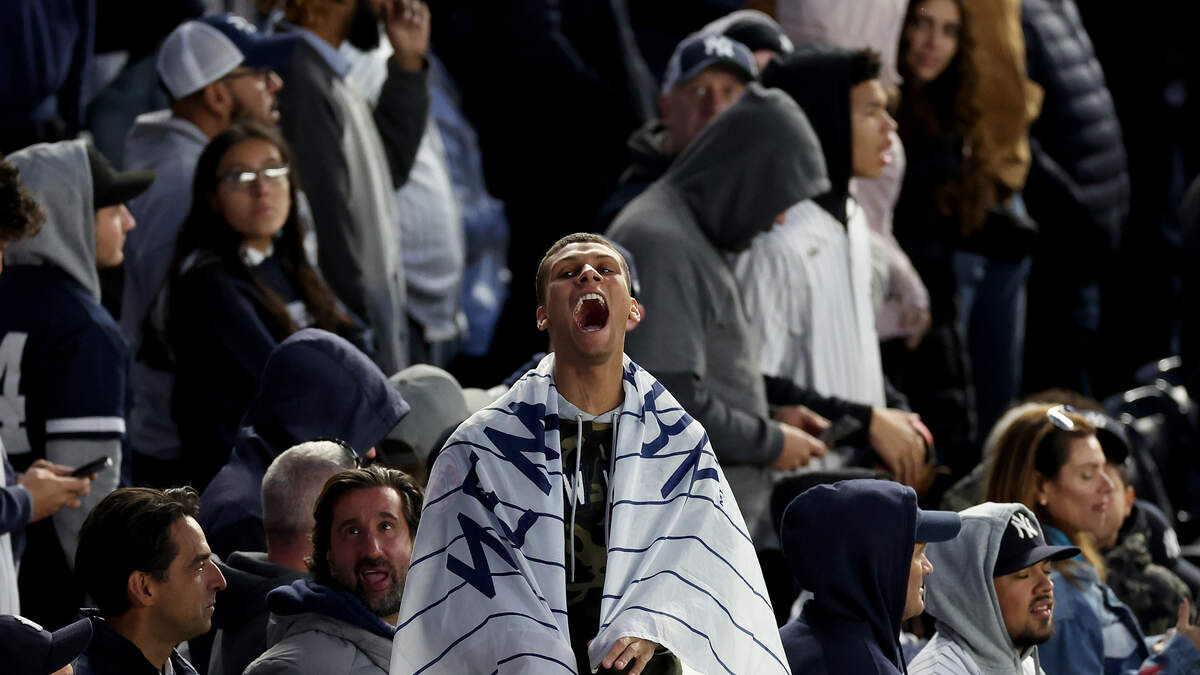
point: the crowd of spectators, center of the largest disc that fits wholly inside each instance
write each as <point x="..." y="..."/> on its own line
<point x="831" y="313"/>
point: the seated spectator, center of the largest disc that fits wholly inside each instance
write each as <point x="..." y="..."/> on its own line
<point x="992" y="596"/>
<point x="1050" y="460"/>
<point x="343" y="620"/>
<point x="29" y="649"/>
<point x="44" y="488"/>
<point x="66" y="363"/>
<point x="706" y="75"/>
<point x="289" y="492"/>
<point x="1152" y="591"/>
<point x="217" y="70"/>
<point x="315" y="385"/>
<point x="859" y="547"/>
<point x="240" y="283"/>
<point x="821" y="334"/>
<point x="146" y="564"/>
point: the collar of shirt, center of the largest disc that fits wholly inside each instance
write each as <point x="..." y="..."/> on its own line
<point x="254" y="257"/>
<point x="336" y="61"/>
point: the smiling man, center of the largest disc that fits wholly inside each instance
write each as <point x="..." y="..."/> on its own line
<point x="581" y="521"/>
<point x="343" y="620"/>
<point x="145" y="563"/>
<point x="992" y="596"/>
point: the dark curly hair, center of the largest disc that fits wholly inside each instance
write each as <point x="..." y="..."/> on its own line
<point x="947" y="106"/>
<point x="339" y="484"/>
<point x="129" y="531"/>
<point x="20" y="214"/>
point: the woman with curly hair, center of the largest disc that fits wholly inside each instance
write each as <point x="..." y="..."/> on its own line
<point x="1049" y="459"/>
<point x="935" y="118"/>
<point x="240" y="283"/>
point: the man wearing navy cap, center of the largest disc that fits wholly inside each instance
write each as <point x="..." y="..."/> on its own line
<point x="216" y="70"/>
<point x="992" y="598"/>
<point x="859" y="547"/>
<point x="28" y="649"/>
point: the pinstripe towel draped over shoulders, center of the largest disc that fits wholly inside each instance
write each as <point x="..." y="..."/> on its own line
<point x="486" y="591"/>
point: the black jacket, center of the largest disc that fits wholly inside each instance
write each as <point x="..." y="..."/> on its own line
<point x="1078" y="186"/>
<point x="111" y="654"/>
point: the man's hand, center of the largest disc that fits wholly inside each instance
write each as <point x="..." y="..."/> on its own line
<point x="798" y="449"/>
<point x="801" y="417"/>
<point x="406" y="23"/>
<point x="898" y="443"/>
<point x="631" y="651"/>
<point x="53" y="488"/>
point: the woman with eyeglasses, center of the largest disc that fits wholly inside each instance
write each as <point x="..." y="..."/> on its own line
<point x="240" y="283"/>
<point x="1049" y="459"/>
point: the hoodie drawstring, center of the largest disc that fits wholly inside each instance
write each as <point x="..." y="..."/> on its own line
<point x="577" y="484"/>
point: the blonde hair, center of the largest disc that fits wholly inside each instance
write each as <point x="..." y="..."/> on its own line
<point x="1029" y="446"/>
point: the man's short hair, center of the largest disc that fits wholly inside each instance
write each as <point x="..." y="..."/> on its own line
<point x="543" y="269"/>
<point x="129" y="531"/>
<point x="20" y="214"/>
<point x="339" y="484"/>
<point x="865" y="64"/>
<point x="293" y="482"/>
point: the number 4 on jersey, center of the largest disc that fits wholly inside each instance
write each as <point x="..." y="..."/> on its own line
<point x="12" y="404"/>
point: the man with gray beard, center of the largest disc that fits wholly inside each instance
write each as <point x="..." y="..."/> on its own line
<point x="343" y="620"/>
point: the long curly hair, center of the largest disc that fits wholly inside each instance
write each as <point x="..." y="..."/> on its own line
<point x="20" y="214"/>
<point x="205" y="230"/>
<point x="943" y="106"/>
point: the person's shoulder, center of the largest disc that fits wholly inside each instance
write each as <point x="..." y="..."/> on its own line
<point x="311" y="643"/>
<point x="941" y="656"/>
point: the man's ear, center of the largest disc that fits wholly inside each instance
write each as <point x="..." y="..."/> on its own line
<point x="637" y="312"/>
<point x="543" y="321"/>
<point x="140" y="589"/>
<point x="663" y="105"/>
<point x="217" y="98"/>
<point x="1130" y="495"/>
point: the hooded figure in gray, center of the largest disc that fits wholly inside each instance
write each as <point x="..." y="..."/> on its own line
<point x="746" y="167"/>
<point x="971" y="635"/>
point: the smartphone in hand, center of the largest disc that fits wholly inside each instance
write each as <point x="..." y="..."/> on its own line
<point x="843" y="427"/>
<point x="94" y="466"/>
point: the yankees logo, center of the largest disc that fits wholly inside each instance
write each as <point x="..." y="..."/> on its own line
<point x="1024" y="527"/>
<point x="718" y="45"/>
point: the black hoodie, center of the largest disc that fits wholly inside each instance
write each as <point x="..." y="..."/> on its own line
<point x="820" y="81"/>
<point x="315" y="385"/>
<point x="747" y="166"/>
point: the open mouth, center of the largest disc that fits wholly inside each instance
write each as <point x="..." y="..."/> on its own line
<point x="1043" y="609"/>
<point x="591" y="313"/>
<point x="374" y="578"/>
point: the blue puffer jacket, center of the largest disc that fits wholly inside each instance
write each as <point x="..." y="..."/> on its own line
<point x="1078" y="186"/>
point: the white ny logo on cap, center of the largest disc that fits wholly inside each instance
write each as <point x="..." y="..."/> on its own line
<point x="1025" y="527"/>
<point x="718" y="45"/>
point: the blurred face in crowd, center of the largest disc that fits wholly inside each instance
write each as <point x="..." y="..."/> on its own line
<point x="690" y="106"/>
<point x="932" y="35"/>
<point x="252" y="191"/>
<point x="112" y="222"/>
<point x="370" y="547"/>
<point x="1027" y="604"/>
<point x="1078" y="498"/>
<point x="253" y="92"/>
<point x="1119" y="507"/>
<point x="914" y="601"/>
<point x="186" y="598"/>
<point x="362" y="30"/>
<point x="870" y="129"/>
<point x="587" y="308"/>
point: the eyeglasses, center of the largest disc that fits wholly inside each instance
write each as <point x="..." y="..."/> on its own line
<point x="263" y="73"/>
<point x="241" y="180"/>
<point x="1058" y="417"/>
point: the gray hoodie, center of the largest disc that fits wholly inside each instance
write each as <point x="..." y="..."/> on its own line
<point x="961" y="596"/>
<point x="748" y="165"/>
<point x="60" y="178"/>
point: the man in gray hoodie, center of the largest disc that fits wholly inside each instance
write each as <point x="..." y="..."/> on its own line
<point x="64" y="360"/>
<point x="992" y="596"/>
<point x="744" y="169"/>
